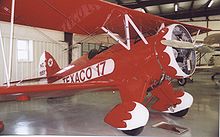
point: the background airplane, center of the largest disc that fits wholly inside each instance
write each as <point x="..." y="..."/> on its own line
<point x="212" y="46"/>
<point x="202" y="48"/>
<point x="140" y="67"/>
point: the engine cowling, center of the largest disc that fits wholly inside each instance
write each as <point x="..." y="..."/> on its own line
<point x="177" y="62"/>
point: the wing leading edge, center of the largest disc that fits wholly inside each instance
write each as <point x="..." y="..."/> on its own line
<point x="53" y="90"/>
<point x="83" y="17"/>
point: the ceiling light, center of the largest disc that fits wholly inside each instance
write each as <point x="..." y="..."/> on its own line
<point x="176" y="7"/>
<point x="210" y="3"/>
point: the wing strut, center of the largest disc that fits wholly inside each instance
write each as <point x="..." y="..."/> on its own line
<point x="127" y="33"/>
<point x="4" y="60"/>
<point x="8" y="70"/>
<point x="11" y="39"/>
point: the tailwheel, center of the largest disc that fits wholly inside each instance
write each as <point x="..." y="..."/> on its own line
<point x="180" y="113"/>
<point x="181" y="82"/>
<point x="133" y="132"/>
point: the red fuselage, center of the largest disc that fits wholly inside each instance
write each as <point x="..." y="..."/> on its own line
<point x="133" y="71"/>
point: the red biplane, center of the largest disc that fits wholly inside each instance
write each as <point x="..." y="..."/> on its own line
<point x="140" y="67"/>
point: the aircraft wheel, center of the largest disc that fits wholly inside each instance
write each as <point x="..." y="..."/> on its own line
<point x="92" y="53"/>
<point x="180" y="113"/>
<point x="133" y="132"/>
<point x="213" y="77"/>
<point x="182" y="82"/>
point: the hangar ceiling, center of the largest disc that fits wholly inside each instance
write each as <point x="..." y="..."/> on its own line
<point x="166" y="8"/>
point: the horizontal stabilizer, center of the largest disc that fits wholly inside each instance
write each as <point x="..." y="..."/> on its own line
<point x="25" y="81"/>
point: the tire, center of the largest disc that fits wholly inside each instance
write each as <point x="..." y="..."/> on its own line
<point x="182" y="82"/>
<point x="133" y="132"/>
<point x="92" y="53"/>
<point x="213" y="77"/>
<point x="180" y="113"/>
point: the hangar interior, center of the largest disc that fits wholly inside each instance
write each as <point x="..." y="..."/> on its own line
<point x="83" y="114"/>
<point x="189" y="11"/>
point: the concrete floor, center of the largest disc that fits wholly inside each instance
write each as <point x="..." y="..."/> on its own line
<point x="83" y="114"/>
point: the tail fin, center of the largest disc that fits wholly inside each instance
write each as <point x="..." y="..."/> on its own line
<point x="47" y="65"/>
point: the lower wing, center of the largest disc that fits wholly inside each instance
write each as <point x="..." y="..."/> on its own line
<point x="53" y="90"/>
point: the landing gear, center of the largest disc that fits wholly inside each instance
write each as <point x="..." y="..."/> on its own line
<point x="181" y="109"/>
<point x="133" y="132"/>
<point x="137" y="112"/>
<point x="180" y="113"/>
<point x="182" y="82"/>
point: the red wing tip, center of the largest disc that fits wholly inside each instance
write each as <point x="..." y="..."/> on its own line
<point x="23" y="98"/>
<point x="1" y="126"/>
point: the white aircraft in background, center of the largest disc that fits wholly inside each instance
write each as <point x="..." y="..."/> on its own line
<point x="204" y="47"/>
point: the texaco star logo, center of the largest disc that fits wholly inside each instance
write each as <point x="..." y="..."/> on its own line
<point x="50" y="62"/>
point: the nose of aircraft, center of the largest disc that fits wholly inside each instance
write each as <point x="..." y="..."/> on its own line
<point x="181" y="59"/>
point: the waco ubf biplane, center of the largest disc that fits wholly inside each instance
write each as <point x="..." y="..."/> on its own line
<point x="140" y="67"/>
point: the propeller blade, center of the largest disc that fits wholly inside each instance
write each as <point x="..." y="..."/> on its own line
<point x="178" y="44"/>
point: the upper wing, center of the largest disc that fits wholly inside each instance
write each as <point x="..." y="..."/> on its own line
<point x="83" y="16"/>
<point x="53" y="90"/>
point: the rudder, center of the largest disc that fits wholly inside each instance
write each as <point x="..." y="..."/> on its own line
<point x="47" y="65"/>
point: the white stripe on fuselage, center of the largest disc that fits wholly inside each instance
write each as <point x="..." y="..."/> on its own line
<point x="65" y="69"/>
<point x="91" y="72"/>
